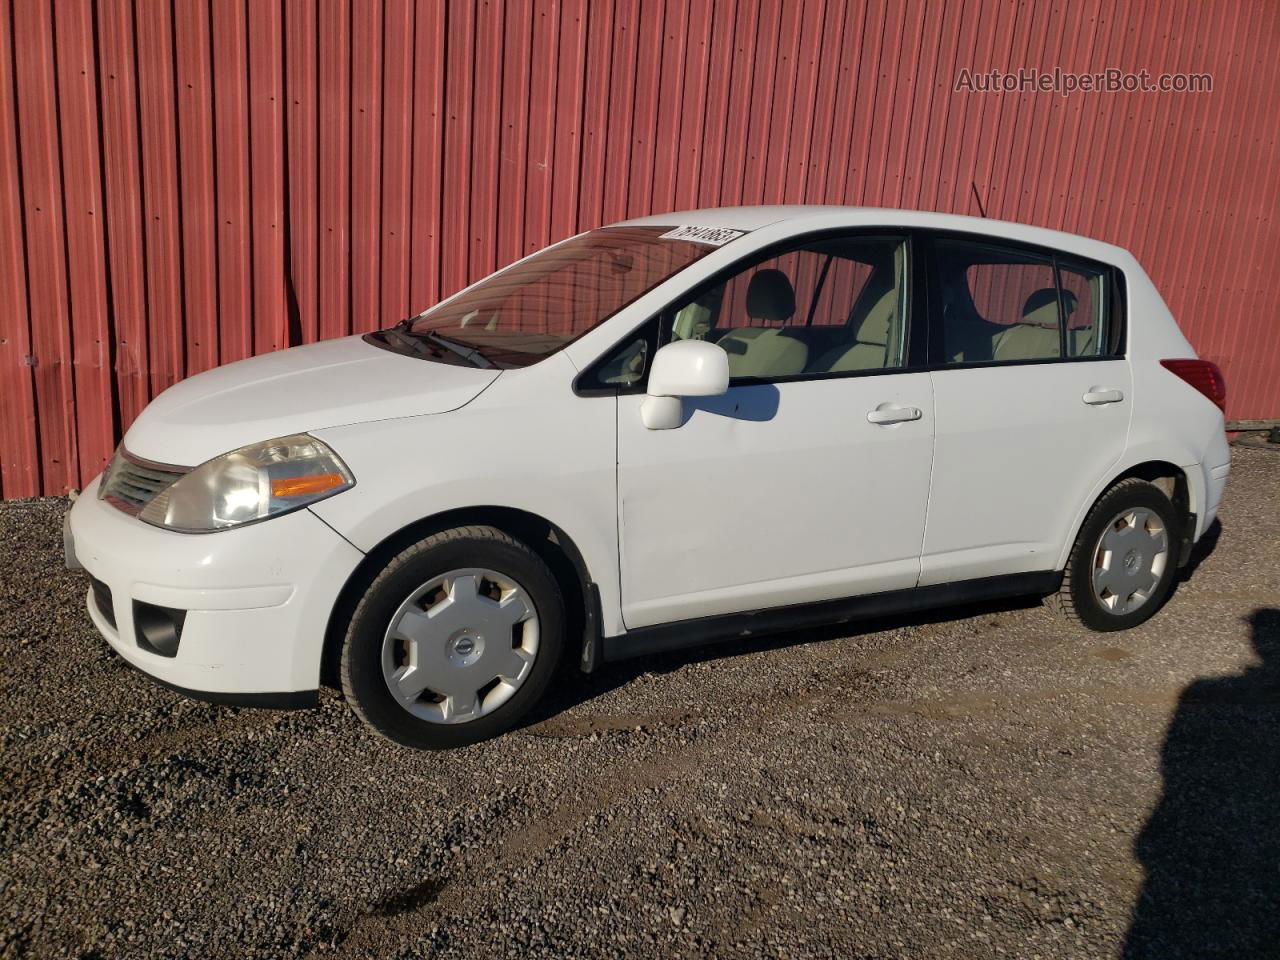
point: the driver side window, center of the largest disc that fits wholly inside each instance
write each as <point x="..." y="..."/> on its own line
<point x="829" y="307"/>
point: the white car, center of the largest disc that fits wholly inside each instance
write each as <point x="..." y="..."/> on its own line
<point x="672" y="430"/>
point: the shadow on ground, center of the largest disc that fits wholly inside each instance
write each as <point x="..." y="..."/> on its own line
<point x="1211" y="849"/>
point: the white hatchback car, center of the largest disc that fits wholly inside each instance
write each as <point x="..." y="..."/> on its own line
<point x="676" y="429"/>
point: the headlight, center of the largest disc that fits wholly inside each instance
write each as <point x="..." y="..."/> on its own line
<point x="252" y="483"/>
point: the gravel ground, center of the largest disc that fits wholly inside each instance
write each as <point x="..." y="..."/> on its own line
<point x="981" y="782"/>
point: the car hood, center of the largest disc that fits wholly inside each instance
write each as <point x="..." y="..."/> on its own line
<point x="330" y="384"/>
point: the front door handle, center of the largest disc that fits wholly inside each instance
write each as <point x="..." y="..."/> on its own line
<point x="1097" y="396"/>
<point x="888" y="413"/>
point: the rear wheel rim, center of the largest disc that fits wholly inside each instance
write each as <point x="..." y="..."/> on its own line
<point x="460" y="645"/>
<point x="1129" y="560"/>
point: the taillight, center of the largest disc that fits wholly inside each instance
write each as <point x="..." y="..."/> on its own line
<point x="1204" y="376"/>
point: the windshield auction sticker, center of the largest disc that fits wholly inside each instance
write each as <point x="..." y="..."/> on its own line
<point x="712" y="236"/>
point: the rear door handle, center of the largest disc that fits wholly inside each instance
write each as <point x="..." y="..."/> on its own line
<point x="1097" y="396"/>
<point x="888" y="413"/>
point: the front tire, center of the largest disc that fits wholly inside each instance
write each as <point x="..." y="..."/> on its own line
<point x="455" y="639"/>
<point x="1124" y="562"/>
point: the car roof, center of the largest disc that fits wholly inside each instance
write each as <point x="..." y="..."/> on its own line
<point x="802" y="217"/>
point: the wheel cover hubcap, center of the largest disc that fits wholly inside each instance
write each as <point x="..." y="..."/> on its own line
<point x="1130" y="559"/>
<point x="460" y="645"/>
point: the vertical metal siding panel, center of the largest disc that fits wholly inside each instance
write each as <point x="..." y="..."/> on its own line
<point x="513" y="136"/>
<point x="366" y="162"/>
<point x="854" y="182"/>
<point x="1009" y="117"/>
<point x="335" y="169"/>
<point x="1245" y="347"/>
<point x="117" y="80"/>
<point x="923" y="103"/>
<point x="567" y="140"/>
<point x="266" y="167"/>
<point x="1068" y="135"/>
<point x="1026" y="181"/>
<point x="795" y="162"/>
<point x="301" y="39"/>
<point x="1256" y="341"/>
<point x="1151" y="238"/>
<point x="694" y="109"/>
<point x="397" y="140"/>
<point x="1162" y="220"/>
<point x="666" y="108"/>
<point x="910" y="33"/>
<point x="1092" y="143"/>
<point x="954" y="186"/>
<point x="715" y="130"/>
<point x="484" y="217"/>
<point x="644" y="126"/>
<point x="19" y="457"/>
<point x="758" y="108"/>
<point x="46" y="266"/>
<point x="622" y="88"/>
<point x="930" y="114"/>
<point x="775" y="145"/>
<point x="1222" y="190"/>
<point x="1185" y="266"/>
<point x="595" y="116"/>
<point x="86" y="253"/>
<point x="984" y="133"/>
<point x="851" y="59"/>
<point x="1019" y="115"/>
<point x="231" y="168"/>
<point x="459" y="75"/>
<point x="825" y="53"/>
<point x="428" y="131"/>
<point x="154" y="37"/>
<point x="195" y="158"/>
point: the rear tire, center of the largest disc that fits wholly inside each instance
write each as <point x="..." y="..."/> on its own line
<point x="1124" y="562"/>
<point x="454" y="641"/>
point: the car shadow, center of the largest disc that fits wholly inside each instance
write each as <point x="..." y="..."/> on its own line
<point x="571" y="689"/>
<point x="1211" y="848"/>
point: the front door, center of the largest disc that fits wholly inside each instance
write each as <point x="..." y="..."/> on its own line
<point x="809" y="479"/>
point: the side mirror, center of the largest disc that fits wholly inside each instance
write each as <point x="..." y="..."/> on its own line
<point x="686" y="368"/>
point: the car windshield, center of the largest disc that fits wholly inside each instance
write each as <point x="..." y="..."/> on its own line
<point x="534" y="308"/>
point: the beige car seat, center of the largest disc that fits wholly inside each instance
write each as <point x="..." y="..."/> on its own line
<point x="766" y="351"/>
<point x="870" y="349"/>
<point x="1035" y="336"/>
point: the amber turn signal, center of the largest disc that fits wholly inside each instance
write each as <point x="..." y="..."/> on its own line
<point x="306" y="486"/>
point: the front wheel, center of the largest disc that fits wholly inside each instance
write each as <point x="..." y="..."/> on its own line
<point x="1124" y="561"/>
<point x="454" y="640"/>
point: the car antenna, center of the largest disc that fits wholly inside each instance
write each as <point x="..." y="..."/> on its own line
<point x="977" y="198"/>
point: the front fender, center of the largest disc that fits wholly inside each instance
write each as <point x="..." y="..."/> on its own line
<point x="554" y="459"/>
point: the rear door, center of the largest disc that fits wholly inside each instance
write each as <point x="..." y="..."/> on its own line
<point x="1032" y="402"/>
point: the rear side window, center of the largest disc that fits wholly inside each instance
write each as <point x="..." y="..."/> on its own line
<point x="1000" y="303"/>
<point x="1086" y="297"/>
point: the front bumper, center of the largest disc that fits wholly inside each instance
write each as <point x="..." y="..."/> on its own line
<point x="256" y="599"/>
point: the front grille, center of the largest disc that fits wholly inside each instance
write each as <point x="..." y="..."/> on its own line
<point x="102" y="600"/>
<point x="130" y="484"/>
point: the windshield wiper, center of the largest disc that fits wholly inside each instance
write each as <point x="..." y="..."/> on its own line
<point x="471" y="354"/>
<point x="417" y="345"/>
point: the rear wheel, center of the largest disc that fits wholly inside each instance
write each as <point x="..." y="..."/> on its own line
<point x="1124" y="561"/>
<point x="455" y="640"/>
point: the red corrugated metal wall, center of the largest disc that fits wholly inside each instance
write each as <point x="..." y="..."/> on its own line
<point x="187" y="182"/>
